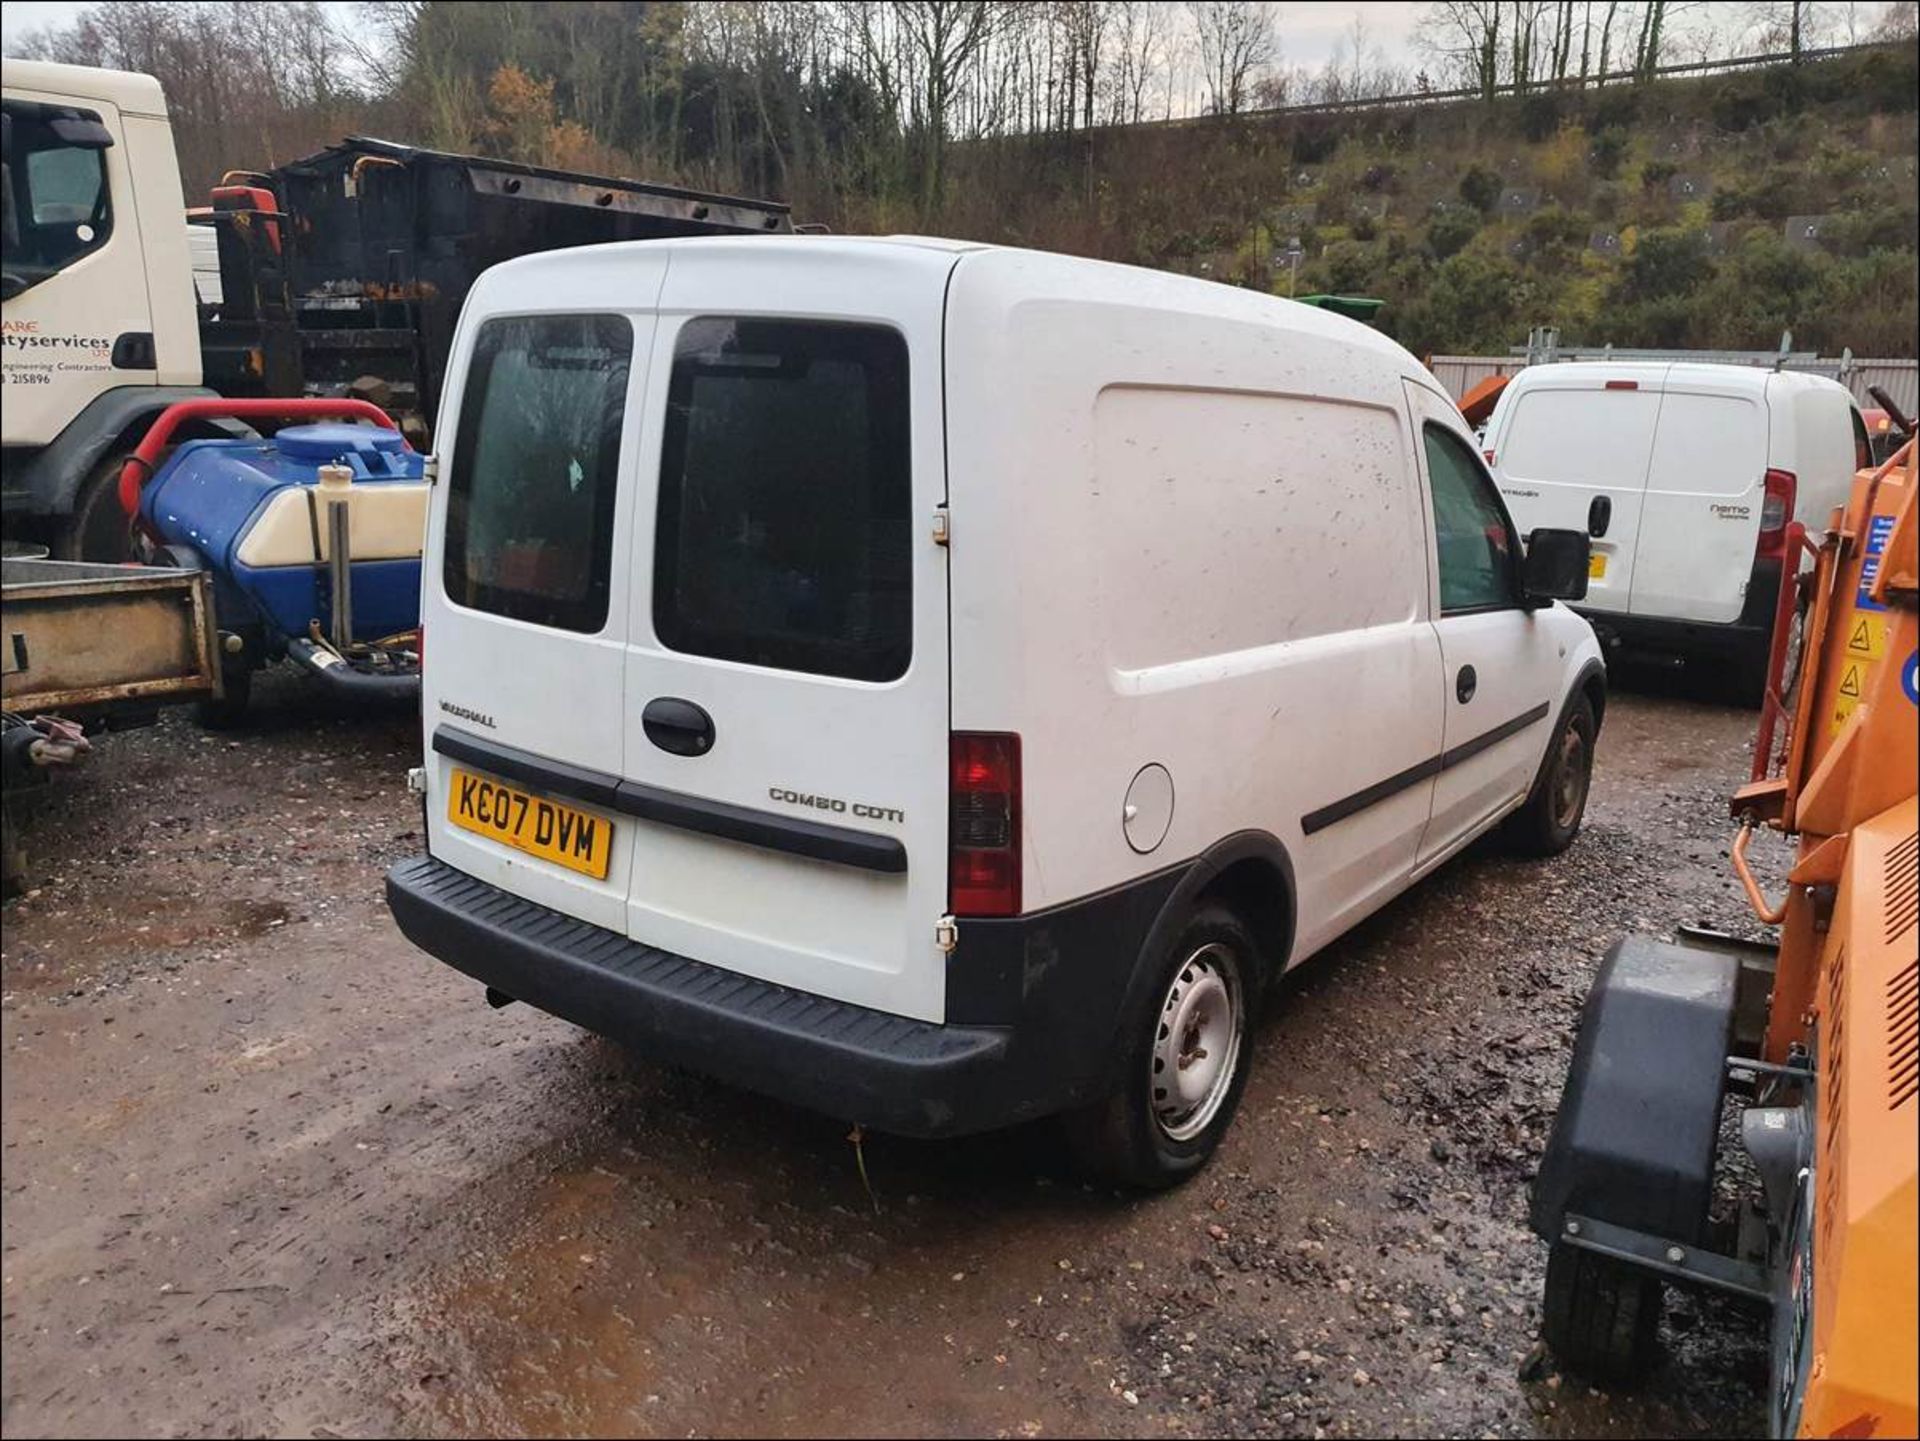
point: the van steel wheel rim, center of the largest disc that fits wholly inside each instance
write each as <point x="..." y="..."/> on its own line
<point x="1197" y="1047"/>
<point x="1570" y="780"/>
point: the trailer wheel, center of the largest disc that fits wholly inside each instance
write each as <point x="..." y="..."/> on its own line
<point x="224" y="712"/>
<point x="1601" y="1316"/>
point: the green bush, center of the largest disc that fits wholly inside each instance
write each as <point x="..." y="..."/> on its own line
<point x="1480" y="188"/>
<point x="1555" y="232"/>
<point x="1609" y="149"/>
<point x="1539" y="117"/>
<point x="1449" y="232"/>
<point x="1656" y="173"/>
<point x="1666" y="263"/>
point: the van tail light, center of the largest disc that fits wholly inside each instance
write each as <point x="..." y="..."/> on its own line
<point x="983" y="869"/>
<point x="1775" y="511"/>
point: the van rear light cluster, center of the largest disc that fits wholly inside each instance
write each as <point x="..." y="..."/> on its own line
<point x="983" y="791"/>
<point x="1775" y="511"/>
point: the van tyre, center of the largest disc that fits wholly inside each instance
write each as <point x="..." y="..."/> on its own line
<point x="1601" y="1317"/>
<point x="1547" y="822"/>
<point x="1188" y="1039"/>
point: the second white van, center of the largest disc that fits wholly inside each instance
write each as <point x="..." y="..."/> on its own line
<point x="1686" y="476"/>
<point x="943" y="686"/>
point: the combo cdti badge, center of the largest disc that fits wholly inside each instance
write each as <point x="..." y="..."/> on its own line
<point x="943" y="686"/>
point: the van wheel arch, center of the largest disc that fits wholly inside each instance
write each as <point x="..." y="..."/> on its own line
<point x="1249" y="871"/>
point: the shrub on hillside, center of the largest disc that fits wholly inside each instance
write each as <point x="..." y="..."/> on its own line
<point x="1771" y="194"/>
<point x="1450" y="231"/>
<point x="1609" y="148"/>
<point x="1656" y="173"/>
<point x="1313" y="141"/>
<point x="1470" y="303"/>
<point x="1480" y="188"/>
<point x="1539" y="117"/>
<point x="1555" y="233"/>
<point x="1665" y="263"/>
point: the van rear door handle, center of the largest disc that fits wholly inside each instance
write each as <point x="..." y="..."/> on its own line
<point x="1465" y="684"/>
<point x="677" y="726"/>
<point x="1599" y="516"/>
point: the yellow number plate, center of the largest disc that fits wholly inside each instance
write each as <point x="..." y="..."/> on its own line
<point x="539" y="827"/>
<point x="1596" y="567"/>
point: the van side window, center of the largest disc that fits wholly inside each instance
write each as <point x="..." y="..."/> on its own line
<point x="530" y="498"/>
<point x="1470" y="526"/>
<point x="784" y="537"/>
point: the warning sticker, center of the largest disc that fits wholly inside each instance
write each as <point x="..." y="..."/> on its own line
<point x="1878" y="529"/>
<point x="1867" y="638"/>
<point x="1853" y="682"/>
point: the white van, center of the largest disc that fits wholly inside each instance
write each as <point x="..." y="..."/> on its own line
<point x="941" y="685"/>
<point x="1686" y="476"/>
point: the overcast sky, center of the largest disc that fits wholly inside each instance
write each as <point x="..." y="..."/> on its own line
<point x="1309" y="32"/>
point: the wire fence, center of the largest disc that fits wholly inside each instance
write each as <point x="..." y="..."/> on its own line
<point x="1570" y="86"/>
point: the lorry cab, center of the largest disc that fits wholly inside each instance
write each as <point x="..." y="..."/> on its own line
<point x="97" y="293"/>
<point x="1686" y="477"/>
<point x="942" y="684"/>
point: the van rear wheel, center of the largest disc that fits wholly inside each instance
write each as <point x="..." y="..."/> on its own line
<point x="1188" y="1039"/>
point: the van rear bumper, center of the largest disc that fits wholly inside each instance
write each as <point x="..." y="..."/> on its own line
<point x="913" y="1078"/>
<point x="1747" y="634"/>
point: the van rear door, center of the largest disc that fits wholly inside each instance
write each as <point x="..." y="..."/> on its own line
<point x="787" y="704"/>
<point x="1574" y="450"/>
<point x="524" y="587"/>
<point x="1706" y="488"/>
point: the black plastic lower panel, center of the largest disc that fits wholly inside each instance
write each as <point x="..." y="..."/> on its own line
<point x="889" y="1072"/>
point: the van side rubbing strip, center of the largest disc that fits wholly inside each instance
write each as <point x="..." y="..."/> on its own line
<point x="757" y="828"/>
<point x="1379" y="791"/>
<point x="672" y="808"/>
<point x="555" y="777"/>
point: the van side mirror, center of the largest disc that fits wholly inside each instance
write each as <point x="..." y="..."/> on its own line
<point x="1556" y="566"/>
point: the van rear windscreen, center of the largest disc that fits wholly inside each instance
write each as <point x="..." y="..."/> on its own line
<point x="530" y="497"/>
<point x="784" y="529"/>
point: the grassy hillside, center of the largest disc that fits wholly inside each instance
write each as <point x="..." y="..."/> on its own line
<point x="1650" y="216"/>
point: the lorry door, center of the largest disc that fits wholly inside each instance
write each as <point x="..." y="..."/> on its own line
<point x="525" y="587"/>
<point x="1571" y="452"/>
<point x="1500" y="666"/>
<point x="77" y="316"/>
<point x="787" y="697"/>
<point x="1706" y="488"/>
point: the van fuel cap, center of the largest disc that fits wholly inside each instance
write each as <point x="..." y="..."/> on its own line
<point x="1149" y="808"/>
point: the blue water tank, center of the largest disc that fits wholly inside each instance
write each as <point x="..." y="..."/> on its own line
<point x="212" y="495"/>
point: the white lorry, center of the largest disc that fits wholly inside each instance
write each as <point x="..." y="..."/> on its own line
<point x="339" y="274"/>
<point x="943" y="685"/>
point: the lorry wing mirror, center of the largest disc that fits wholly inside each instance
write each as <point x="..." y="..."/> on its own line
<point x="82" y="132"/>
<point x="1599" y="516"/>
<point x="1556" y="566"/>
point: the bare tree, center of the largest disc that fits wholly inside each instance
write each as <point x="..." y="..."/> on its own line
<point x="1139" y="56"/>
<point x="1236" y="43"/>
<point x="1464" y="37"/>
<point x="943" y="37"/>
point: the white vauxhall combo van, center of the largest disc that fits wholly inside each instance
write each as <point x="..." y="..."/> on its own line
<point x="1686" y="476"/>
<point x="942" y="685"/>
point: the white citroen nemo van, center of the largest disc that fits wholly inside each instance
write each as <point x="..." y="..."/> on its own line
<point x="941" y="685"/>
<point x="1686" y="476"/>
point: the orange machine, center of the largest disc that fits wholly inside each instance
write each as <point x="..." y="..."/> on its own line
<point x="1819" y="1035"/>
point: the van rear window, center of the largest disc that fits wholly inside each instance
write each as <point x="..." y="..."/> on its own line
<point x="785" y="489"/>
<point x="530" y="498"/>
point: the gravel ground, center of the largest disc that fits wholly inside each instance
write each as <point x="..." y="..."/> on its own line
<point x="269" y="1169"/>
